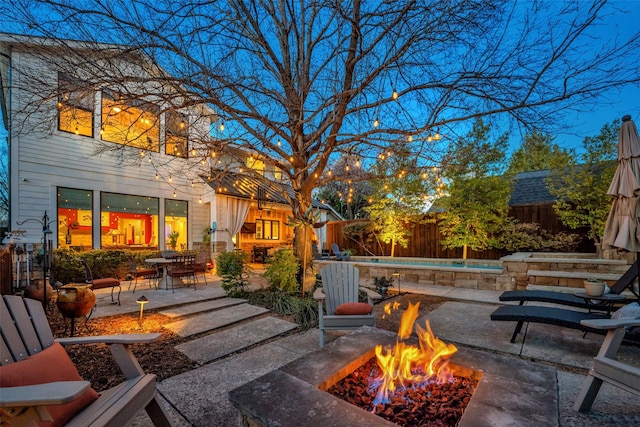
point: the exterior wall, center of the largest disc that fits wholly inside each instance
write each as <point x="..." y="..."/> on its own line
<point x="44" y="159"/>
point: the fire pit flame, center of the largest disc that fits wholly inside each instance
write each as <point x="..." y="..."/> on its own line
<point x="409" y="366"/>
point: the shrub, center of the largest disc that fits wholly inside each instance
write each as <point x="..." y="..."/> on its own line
<point x="281" y="271"/>
<point x="232" y="267"/>
<point x="530" y="237"/>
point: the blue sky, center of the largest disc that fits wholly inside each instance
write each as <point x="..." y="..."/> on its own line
<point x="624" y="22"/>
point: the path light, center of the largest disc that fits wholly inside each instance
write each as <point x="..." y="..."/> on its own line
<point x="142" y="301"/>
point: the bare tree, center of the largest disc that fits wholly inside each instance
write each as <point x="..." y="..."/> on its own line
<point x="302" y="83"/>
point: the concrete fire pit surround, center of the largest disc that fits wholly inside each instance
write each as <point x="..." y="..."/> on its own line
<point x="511" y="392"/>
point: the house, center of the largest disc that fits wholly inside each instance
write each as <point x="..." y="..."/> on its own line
<point x="118" y="158"/>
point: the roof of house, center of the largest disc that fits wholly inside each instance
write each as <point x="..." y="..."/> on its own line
<point x="262" y="190"/>
<point x="530" y="188"/>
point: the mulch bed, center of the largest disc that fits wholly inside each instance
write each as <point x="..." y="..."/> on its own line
<point x="95" y="364"/>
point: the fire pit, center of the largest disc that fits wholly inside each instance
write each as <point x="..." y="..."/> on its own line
<point x="411" y="385"/>
<point x="510" y="391"/>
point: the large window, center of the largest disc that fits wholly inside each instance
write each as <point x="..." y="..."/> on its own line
<point x="175" y="224"/>
<point x="176" y="135"/>
<point x="267" y="229"/>
<point x="129" y="122"/>
<point x="75" y="218"/>
<point x="256" y="164"/>
<point x="128" y="221"/>
<point x="75" y="107"/>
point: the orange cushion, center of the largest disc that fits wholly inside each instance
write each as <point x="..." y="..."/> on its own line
<point x="51" y="364"/>
<point x="353" y="308"/>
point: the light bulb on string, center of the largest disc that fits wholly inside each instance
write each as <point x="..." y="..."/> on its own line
<point x="157" y="176"/>
<point x="376" y="122"/>
<point x="410" y="138"/>
<point x="222" y="126"/>
<point x="174" y="194"/>
<point x="358" y="163"/>
<point x="395" y="94"/>
<point x="279" y="143"/>
<point x="200" y="200"/>
<point x="170" y="178"/>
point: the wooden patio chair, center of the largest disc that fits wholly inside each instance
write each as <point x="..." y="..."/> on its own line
<point x="606" y="368"/>
<point x="339" y="293"/>
<point x="40" y="382"/>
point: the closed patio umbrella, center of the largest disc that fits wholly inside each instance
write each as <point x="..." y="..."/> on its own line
<point x="622" y="229"/>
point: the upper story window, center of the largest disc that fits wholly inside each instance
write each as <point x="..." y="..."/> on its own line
<point x="256" y="165"/>
<point x="129" y="122"/>
<point x="75" y="107"/>
<point x="176" y="135"/>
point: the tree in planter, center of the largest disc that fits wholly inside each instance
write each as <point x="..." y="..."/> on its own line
<point x="232" y="267"/>
<point x="476" y="209"/>
<point x="397" y="199"/>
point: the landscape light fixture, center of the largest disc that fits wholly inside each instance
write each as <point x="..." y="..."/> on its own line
<point x="142" y="301"/>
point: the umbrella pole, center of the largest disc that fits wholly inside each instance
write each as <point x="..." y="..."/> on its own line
<point x="636" y="293"/>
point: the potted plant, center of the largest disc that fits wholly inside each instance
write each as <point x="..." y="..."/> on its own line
<point x="382" y="284"/>
<point x="594" y="287"/>
<point x="173" y="239"/>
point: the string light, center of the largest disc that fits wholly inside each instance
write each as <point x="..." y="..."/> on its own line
<point x="410" y="138"/>
<point x="77" y="130"/>
<point x="279" y="143"/>
<point x="193" y="151"/>
<point x="376" y="122"/>
<point x="200" y="200"/>
<point x="174" y="194"/>
<point x="222" y="126"/>
<point x="170" y="178"/>
<point x="395" y="94"/>
<point x="358" y="163"/>
<point x="157" y="176"/>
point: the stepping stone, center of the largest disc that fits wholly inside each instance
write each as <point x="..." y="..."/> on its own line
<point x="202" y="306"/>
<point x="214" y="319"/>
<point x="222" y="343"/>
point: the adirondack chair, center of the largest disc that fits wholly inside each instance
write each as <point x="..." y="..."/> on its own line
<point x="339" y="293"/>
<point x="606" y="368"/>
<point x="40" y="382"/>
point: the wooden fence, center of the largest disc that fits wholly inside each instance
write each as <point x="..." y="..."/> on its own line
<point x="425" y="238"/>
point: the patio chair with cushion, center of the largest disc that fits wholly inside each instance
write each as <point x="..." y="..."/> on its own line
<point x="105" y="282"/>
<point x="41" y="384"/>
<point x="148" y="273"/>
<point x="182" y="267"/>
<point x="339" y="296"/>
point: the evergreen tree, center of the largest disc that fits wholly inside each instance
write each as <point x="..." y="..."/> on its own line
<point x="538" y="152"/>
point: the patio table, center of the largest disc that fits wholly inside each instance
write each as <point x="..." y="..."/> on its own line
<point x="163" y="281"/>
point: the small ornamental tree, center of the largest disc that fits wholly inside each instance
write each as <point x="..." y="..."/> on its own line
<point x="477" y="205"/>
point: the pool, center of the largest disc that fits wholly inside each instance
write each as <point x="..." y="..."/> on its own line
<point x="429" y="262"/>
<point x="459" y="273"/>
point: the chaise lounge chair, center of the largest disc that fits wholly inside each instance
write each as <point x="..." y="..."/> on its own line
<point x="557" y="316"/>
<point x="554" y="297"/>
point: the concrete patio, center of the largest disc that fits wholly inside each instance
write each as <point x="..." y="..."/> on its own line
<point x="245" y="350"/>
